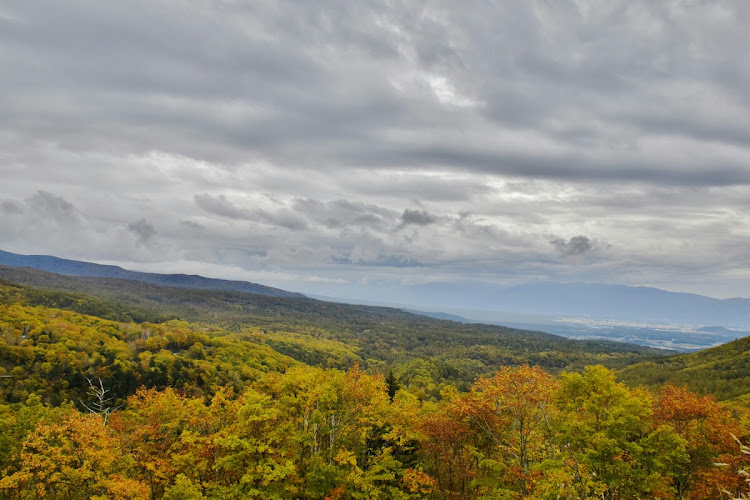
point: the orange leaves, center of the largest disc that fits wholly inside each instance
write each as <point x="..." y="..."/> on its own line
<point x="707" y="431"/>
<point x="417" y="481"/>
<point x="493" y="436"/>
<point x="76" y="458"/>
<point x="520" y="399"/>
<point x="525" y="385"/>
<point x="679" y="406"/>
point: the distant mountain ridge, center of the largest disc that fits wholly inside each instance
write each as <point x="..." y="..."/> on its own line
<point x="638" y="304"/>
<point x="627" y="303"/>
<point x="572" y="300"/>
<point x="377" y="333"/>
<point x="92" y="270"/>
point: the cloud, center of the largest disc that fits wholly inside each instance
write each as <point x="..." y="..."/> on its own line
<point x="577" y="245"/>
<point x="144" y="230"/>
<point x="229" y="83"/>
<point x="10" y="207"/>
<point x="284" y="217"/>
<point x="381" y="260"/>
<point x="53" y="206"/>
<point x="279" y="217"/>
<point x="417" y="217"/>
<point x="195" y="226"/>
<point x="295" y="134"/>
<point x="345" y="214"/>
<point x="219" y="205"/>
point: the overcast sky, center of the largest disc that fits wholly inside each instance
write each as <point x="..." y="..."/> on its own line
<point x="333" y="146"/>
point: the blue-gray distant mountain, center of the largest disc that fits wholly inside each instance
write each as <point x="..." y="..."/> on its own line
<point x="478" y="301"/>
<point x="626" y="303"/>
<point x="89" y="269"/>
<point x="600" y="301"/>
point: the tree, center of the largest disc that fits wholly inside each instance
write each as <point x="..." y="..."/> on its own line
<point x="76" y="458"/>
<point x="600" y="432"/>
<point x="706" y="432"/>
<point x="101" y="404"/>
<point x="393" y="384"/>
<point x="513" y="409"/>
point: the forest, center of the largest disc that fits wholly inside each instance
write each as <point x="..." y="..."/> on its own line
<point x="145" y="392"/>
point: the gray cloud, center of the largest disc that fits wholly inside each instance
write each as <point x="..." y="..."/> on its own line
<point x="401" y="85"/>
<point x="10" y="207"/>
<point x="282" y="218"/>
<point x="144" y="230"/>
<point x="417" y="217"/>
<point x="577" y="245"/>
<point x="306" y="128"/>
<point x="430" y="188"/>
<point x="192" y="225"/>
<point x="345" y="214"/>
<point x="219" y="205"/>
<point x="381" y="260"/>
<point x="53" y="206"/>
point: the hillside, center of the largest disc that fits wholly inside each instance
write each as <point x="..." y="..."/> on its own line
<point x="723" y="371"/>
<point x="79" y="268"/>
<point x="96" y="408"/>
<point x="590" y="300"/>
<point x="381" y="336"/>
<point x="114" y="394"/>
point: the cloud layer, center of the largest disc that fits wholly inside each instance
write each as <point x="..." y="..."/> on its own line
<point x="350" y="143"/>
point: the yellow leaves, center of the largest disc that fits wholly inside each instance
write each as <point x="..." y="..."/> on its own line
<point x="183" y="489"/>
<point x="403" y="416"/>
<point x="416" y="481"/>
<point x="77" y="455"/>
<point x="16" y="480"/>
<point x="155" y="344"/>
<point x="346" y="457"/>
<point x="121" y="487"/>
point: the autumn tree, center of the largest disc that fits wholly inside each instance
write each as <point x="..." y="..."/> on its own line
<point x="76" y="458"/>
<point x="513" y="410"/>
<point x="600" y="433"/>
<point x="706" y="435"/>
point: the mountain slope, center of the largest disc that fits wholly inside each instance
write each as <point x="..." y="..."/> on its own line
<point x="723" y="370"/>
<point x="380" y="335"/>
<point x="79" y="268"/>
<point x="602" y="301"/>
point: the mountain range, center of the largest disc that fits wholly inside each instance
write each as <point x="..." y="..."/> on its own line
<point x="327" y="333"/>
<point x="79" y="268"/>
<point x="555" y="300"/>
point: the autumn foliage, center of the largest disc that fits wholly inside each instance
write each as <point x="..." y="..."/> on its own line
<point x="315" y="433"/>
<point x="191" y="412"/>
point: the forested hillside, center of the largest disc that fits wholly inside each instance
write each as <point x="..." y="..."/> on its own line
<point x="723" y="371"/>
<point x="80" y="268"/>
<point x="380" y="336"/>
<point x="146" y="392"/>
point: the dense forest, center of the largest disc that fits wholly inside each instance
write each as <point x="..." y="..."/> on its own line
<point x="377" y="337"/>
<point x="723" y="371"/>
<point x="138" y="391"/>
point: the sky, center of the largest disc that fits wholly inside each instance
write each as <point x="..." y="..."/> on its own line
<point x="352" y="148"/>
